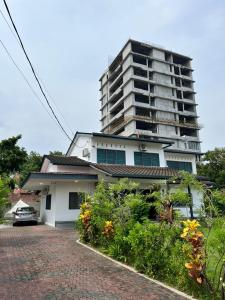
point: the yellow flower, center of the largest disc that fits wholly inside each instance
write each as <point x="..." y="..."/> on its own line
<point x="84" y="206"/>
<point x="189" y="265"/>
<point x="108" y="223"/>
<point x="185" y="232"/>
<point x="192" y="225"/>
<point x="108" y="229"/>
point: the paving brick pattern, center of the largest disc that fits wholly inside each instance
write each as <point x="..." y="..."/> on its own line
<point x="38" y="262"/>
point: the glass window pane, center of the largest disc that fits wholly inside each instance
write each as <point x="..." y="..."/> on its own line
<point x="146" y="159"/>
<point x="138" y="159"/>
<point x="111" y="156"/>
<point x="74" y="200"/>
<point x="120" y="157"/>
<point x="101" y="156"/>
<point x="48" y="202"/>
<point x="180" y="165"/>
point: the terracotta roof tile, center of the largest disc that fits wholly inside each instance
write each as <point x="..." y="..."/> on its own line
<point x="136" y="171"/>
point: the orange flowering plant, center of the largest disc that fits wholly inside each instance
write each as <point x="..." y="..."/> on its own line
<point x="195" y="251"/>
<point x="85" y="218"/>
<point x="108" y="230"/>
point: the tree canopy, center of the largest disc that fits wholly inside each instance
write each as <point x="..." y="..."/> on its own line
<point x="32" y="164"/>
<point x="15" y="159"/>
<point x="12" y="156"/>
<point x="4" y="191"/>
<point x="56" y="152"/>
<point x="213" y="166"/>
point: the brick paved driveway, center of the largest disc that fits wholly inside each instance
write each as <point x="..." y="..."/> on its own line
<point x="38" y="262"/>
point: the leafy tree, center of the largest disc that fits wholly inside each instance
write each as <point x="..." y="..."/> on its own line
<point x="12" y="157"/>
<point x="213" y="166"/>
<point x="56" y="152"/>
<point x="4" y="191"/>
<point x="166" y="202"/>
<point x="32" y="164"/>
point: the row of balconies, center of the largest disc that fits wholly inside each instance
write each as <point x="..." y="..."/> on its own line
<point x="186" y="125"/>
<point x="169" y="57"/>
<point x="117" y="81"/>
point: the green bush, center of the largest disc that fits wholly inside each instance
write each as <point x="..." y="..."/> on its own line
<point x="218" y="198"/>
<point x="153" y="248"/>
<point x="4" y="192"/>
<point x="155" y="243"/>
<point x="139" y="208"/>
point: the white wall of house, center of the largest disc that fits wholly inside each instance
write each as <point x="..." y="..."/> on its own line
<point x="48" y="216"/>
<point x="130" y="147"/>
<point x="92" y="143"/>
<point x="197" y="201"/>
<point x="116" y="144"/>
<point x="48" y="167"/>
<point x="79" y="145"/>
<point x="62" y="212"/>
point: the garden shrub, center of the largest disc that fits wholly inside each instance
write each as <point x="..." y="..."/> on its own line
<point x="4" y="192"/>
<point x="138" y="207"/>
<point x="116" y="221"/>
<point x="155" y="243"/>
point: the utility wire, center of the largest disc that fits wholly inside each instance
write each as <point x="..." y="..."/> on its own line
<point x="25" y="78"/>
<point x="13" y="33"/>
<point x="33" y="71"/>
<point x="56" y="106"/>
<point x="16" y="38"/>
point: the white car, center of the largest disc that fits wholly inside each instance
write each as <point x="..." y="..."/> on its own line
<point x="25" y="214"/>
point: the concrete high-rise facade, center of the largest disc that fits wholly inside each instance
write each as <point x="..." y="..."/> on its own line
<point x="147" y="91"/>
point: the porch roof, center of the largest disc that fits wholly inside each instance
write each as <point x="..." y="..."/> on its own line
<point x="135" y="171"/>
<point x="37" y="180"/>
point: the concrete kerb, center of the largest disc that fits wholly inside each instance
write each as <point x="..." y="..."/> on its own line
<point x="135" y="271"/>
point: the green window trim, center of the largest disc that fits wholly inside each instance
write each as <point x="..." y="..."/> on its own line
<point x="146" y="159"/>
<point x="180" y="165"/>
<point x="108" y="156"/>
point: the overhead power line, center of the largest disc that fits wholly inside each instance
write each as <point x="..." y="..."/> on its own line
<point x="13" y="33"/>
<point x="41" y="80"/>
<point x="33" y="71"/>
<point x="25" y="78"/>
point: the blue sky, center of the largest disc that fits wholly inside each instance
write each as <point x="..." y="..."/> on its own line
<point x="70" y="43"/>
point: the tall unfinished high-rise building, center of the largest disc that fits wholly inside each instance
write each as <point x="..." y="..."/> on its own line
<point x="147" y="91"/>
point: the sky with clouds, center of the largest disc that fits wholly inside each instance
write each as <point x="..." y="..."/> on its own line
<point x="70" y="44"/>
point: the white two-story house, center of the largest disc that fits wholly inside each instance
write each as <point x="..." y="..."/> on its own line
<point x="92" y="157"/>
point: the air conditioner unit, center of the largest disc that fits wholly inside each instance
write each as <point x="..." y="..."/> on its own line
<point x="142" y="147"/>
<point x="45" y="191"/>
<point x="86" y="152"/>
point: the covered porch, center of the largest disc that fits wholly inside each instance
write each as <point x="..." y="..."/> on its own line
<point x="60" y="194"/>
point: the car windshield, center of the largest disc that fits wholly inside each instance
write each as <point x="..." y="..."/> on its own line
<point x="26" y="209"/>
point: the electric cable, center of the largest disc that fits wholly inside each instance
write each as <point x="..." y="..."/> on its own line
<point x="16" y="38"/>
<point x="34" y="73"/>
<point x="25" y="78"/>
